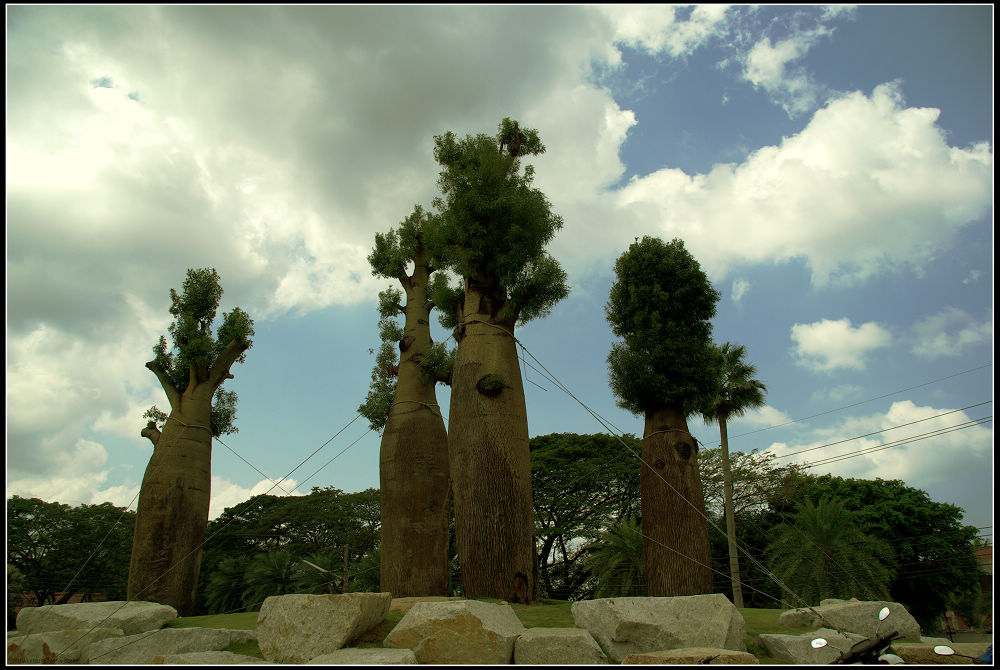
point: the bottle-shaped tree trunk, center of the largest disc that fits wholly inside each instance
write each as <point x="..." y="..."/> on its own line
<point x="172" y="512"/>
<point x="676" y="546"/>
<point x="489" y="454"/>
<point x="413" y="465"/>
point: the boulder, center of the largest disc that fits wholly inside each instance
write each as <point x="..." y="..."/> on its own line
<point x="692" y="656"/>
<point x="557" y="646"/>
<point x="923" y="654"/>
<point x="464" y="631"/>
<point x="626" y="626"/>
<point x="59" y="646"/>
<point x="798" y="649"/>
<point x="130" y="616"/>
<point x="207" y="658"/>
<point x="298" y="627"/>
<point x="855" y="616"/>
<point x="144" y="647"/>
<point x="370" y="656"/>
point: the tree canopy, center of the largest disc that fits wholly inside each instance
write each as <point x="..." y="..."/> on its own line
<point x="661" y="305"/>
<point x="196" y="356"/>
<point x="495" y="225"/>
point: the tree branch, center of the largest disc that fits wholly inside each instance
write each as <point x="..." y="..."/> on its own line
<point x="151" y="432"/>
<point x="173" y="397"/>
<point x="220" y="371"/>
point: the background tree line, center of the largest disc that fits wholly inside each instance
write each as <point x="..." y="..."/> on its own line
<point x="892" y="540"/>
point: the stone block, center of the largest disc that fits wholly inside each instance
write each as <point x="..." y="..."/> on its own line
<point x="296" y="628"/>
<point x="557" y="646"/>
<point x="692" y="656"/>
<point x="798" y="649"/>
<point x="464" y="631"/>
<point x="626" y="626"/>
<point x="131" y="617"/>
<point x="855" y="616"/>
<point x="207" y="658"/>
<point x="58" y="646"/>
<point x="144" y="647"/>
<point x="369" y="656"/>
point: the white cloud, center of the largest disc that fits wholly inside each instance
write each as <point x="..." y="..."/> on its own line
<point x="950" y="332"/>
<point x="656" y="28"/>
<point x="935" y="454"/>
<point x="227" y="494"/>
<point x="740" y="288"/>
<point x="827" y="345"/>
<point x="869" y="186"/>
<point x="768" y="67"/>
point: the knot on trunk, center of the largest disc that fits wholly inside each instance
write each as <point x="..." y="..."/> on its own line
<point x="151" y="432"/>
<point x="683" y="450"/>
<point x="491" y="385"/>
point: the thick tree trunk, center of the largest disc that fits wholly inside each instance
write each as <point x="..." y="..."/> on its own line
<point x="676" y="547"/>
<point x="727" y="502"/>
<point x="489" y="456"/>
<point x="413" y="467"/>
<point x="173" y="506"/>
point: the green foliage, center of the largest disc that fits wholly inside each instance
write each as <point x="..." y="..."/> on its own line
<point x="55" y="546"/>
<point x="447" y="297"/>
<point x="736" y="389"/>
<point x="224" y="592"/>
<point x="156" y="415"/>
<point x="494" y="225"/>
<point x="824" y="554"/>
<point x="269" y="574"/>
<point x="194" y="349"/>
<point x="756" y="478"/>
<point x="661" y="305"/>
<point x="933" y="550"/>
<point x="616" y="560"/>
<point x="581" y="484"/>
<point x="395" y="250"/>
<point x="438" y="363"/>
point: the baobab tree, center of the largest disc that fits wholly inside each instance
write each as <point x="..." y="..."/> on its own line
<point x="664" y="369"/>
<point x="413" y="459"/>
<point x="736" y="392"/>
<point x="494" y="228"/>
<point x="172" y="512"/>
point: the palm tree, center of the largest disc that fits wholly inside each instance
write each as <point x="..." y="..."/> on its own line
<point x="325" y="580"/>
<point x="269" y="574"/>
<point x="616" y="560"/>
<point x="823" y="554"/>
<point x="737" y="392"/>
<point x="224" y="591"/>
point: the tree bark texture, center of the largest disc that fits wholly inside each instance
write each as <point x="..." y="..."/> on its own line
<point x="676" y="546"/>
<point x="489" y="456"/>
<point x="172" y="512"/>
<point x="413" y="466"/>
<point x="727" y="501"/>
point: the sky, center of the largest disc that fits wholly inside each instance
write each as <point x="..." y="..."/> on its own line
<point x="830" y="167"/>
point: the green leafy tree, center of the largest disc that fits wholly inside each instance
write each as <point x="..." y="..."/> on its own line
<point x="664" y="369"/>
<point x="413" y="458"/>
<point x="932" y="549"/>
<point x="823" y="553"/>
<point x="736" y="392"/>
<point x="493" y="233"/>
<point x="69" y="550"/>
<point x="173" y="503"/>
<point x="581" y="484"/>
<point x="616" y="561"/>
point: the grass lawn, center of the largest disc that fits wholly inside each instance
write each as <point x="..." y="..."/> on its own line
<point x="542" y="614"/>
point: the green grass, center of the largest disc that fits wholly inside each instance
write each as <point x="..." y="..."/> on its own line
<point x="542" y="614"/>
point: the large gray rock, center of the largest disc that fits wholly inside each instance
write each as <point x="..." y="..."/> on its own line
<point x="55" y="646"/>
<point x="369" y="656"/>
<point x="855" y="616"/>
<point x="207" y="658"/>
<point x="798" y="649"/>
<point x="557" y="646"/>
<point x="142" y="648"/>
<point x="626" y="626"/>
<point x="296" y="628"/>
<point x="464" y="631"/>
<point x="923" y="654"/>
<point x="692" y="656"/>
<point x="130" y="616"/>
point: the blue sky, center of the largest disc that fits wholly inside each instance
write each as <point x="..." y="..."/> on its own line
<point x="831" y="168"/>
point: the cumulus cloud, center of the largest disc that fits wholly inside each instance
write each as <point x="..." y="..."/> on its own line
<point x="740" y="288"/>
<point x="658" y="28"/>
<point x="868" y="186"/>
<point x="935" y="446"/>
<point x="827" y="345"/>
<point x="227" y="494"/>
<point x="769" y="67"/>
<point x="950" y="333"/>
